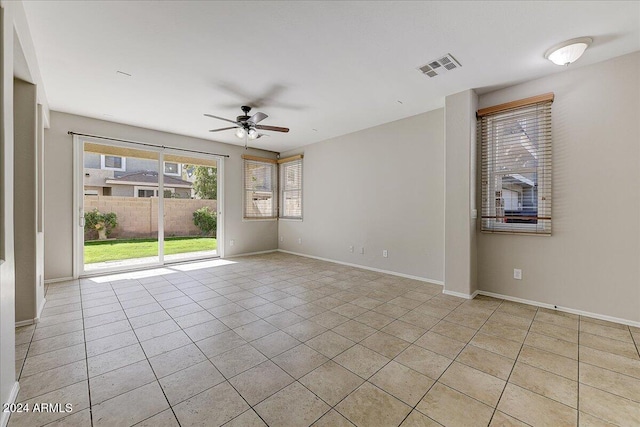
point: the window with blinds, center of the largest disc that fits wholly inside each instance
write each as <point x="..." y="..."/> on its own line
<point x="259" y="188"/>
<point x="291" y="187"/>
<point x="516" y="166"/>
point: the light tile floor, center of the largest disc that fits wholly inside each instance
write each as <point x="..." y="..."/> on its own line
<point x="288" y="341"/>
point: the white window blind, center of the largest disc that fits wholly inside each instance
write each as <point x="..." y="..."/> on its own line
<point x="259" y="187"/>
<point x="291" y="187"/>
<point x="516" y="166"/>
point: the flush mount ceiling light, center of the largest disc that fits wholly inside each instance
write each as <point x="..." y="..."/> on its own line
<point x="568" y="52"/>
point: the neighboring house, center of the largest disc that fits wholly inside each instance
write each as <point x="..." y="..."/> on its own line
<point x="112" y="175"/>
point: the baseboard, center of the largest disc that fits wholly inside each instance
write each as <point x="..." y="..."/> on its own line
<point x="364" y="267"/>
<point x="26" y="322"/>
<point x="61" y="279"/>
<point x="270" y="251"/>
<point x="460" y="294"/>
<point x="4" y="416"/>
<point x="564" y="309"/>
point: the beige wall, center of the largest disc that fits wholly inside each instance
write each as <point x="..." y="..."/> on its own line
<point x="381" y="188"/>
<point x="248" y="236"/>
<point x="24" y="204"/>
<point x="7" y="261"/>
<point x="14" y="34"/>
<point x="460" y="156"/>
<point x="592" y="260"/>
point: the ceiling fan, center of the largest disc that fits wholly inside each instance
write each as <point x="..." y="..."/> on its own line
<point x="247" y="126"/>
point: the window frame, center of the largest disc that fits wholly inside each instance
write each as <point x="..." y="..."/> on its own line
<point x="103" y="166"/>
<point x="156" y="191"/>
<point x="273" y="166"/>
<point x="179" y="173"/>
<point x="282" y="166"/>
<point x="491" y="172"/>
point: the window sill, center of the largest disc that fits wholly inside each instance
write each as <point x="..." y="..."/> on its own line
<point x="258" y="219"/>
<point x="291" y="219"/>
<point x="517" y="233"/>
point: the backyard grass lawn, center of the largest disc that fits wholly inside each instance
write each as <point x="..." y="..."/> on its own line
<point x="113" y="250"/>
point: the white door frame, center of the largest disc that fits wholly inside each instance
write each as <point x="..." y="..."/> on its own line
<point x="78" y="203"/>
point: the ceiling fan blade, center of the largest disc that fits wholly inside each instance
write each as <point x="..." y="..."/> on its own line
<point x="218" y="130"/>
<point x="257" y="117"/>
<point x="221" y="118"/>
<point x="272" y="128"/>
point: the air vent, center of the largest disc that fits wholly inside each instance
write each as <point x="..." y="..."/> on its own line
<point x="439" y="66"/>
<point x="425" y="69"/>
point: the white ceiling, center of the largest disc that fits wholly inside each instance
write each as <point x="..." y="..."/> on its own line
<point x="337" y="67"/>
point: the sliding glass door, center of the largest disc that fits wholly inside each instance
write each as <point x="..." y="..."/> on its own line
<point x="143" y="206"/>
<point x="190" y="207"/>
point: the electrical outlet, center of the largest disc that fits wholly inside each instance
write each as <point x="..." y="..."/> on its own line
<point x="517" y="274"/>
<point x="362" y="250"/>
<point x="282" y="238"/>
<point x="351" y="248"/>
<point x="232" y="242"/>
<point x="385" y="253"/>
<point x="299" y="240"/>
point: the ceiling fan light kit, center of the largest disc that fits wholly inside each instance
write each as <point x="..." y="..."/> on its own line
<point x="246" y="126"/>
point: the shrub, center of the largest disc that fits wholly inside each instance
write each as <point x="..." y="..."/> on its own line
<point x="206" y="220"/>
<point x="97" y="221"/>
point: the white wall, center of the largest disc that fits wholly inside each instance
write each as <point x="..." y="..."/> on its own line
<point x="248" y="236"/>
<point x="379" y="188"/>
<point x="592" y="260"/>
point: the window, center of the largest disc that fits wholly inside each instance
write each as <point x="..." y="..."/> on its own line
<point x="171" y="168"/>
<point x="139" y="191"/>
<point x="291" y="187"/>
<point x="114" y="163"/>
<point x="516" y="166"/>
<point x="259" y="187"/>
<point x="143" y="192"/>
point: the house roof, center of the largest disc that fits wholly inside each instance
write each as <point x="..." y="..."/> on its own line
<point x="148" y="177"/>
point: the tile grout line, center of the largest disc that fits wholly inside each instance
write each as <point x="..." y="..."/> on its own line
<point x="444" y="370"/>
<point x="26" y="354"/>
<point x="331" y="407"/>
<point x="578" y="377"/>
<point x="390" y="360"/>
<point x="633" y="339"/>
<point x="147" y="359"/>
<point x="506" y="382"/>
<point x="195" y="343"/>
<point x="59" y="388"/>
<point x="250" y="289"/>
<point x="139" y="344"/>
<point x="86" y="356"/>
